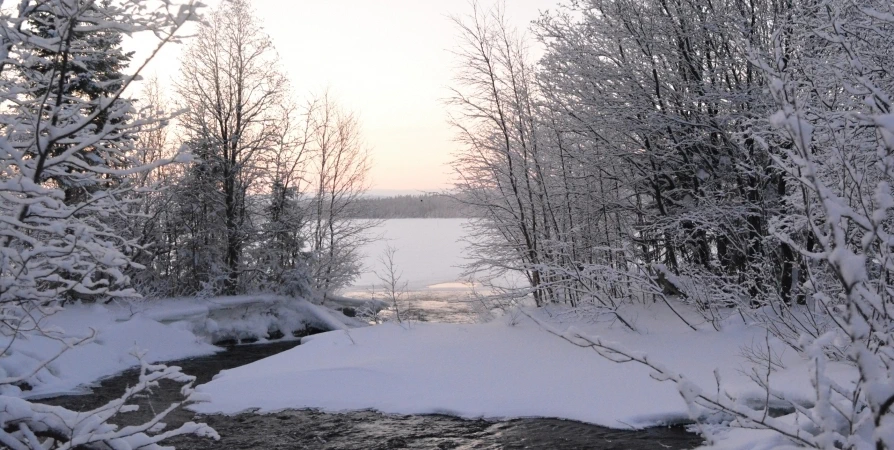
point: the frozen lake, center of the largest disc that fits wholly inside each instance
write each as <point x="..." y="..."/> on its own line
<point x="429" y="253"/>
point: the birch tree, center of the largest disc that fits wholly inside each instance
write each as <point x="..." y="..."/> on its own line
<point x="337" y="176"/>
<point x="499" y="168"/>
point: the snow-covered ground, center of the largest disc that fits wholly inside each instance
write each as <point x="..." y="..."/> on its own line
<point x="512" y="367"/>
<point x="117" y="335"/>
<point x="515" y="366"/>
<point x="166" y="330"/>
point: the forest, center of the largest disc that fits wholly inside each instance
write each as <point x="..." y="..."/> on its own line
<point x="734" y="155"/>
<point x="425" y="206"/>
<point x="728" y="160"/>
<point x="113" y="186"/>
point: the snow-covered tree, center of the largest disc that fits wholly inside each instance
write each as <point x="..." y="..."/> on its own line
<point x="337" y="177"/>
<point x="830" y="75"/>
<point x="261" y="207"/>
<point x="739" y="156"/>
<point x="67" y="156"/>
<point x="281" y="257"/>
<point x="500" y="169"/>
<point x="231" y="87"/>
<point x="629" y="161"/>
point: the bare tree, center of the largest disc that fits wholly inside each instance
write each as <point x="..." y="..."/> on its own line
<point x="395" y="286"/>
<point x="499" y="169"/>
<point x="151" y="200"/>
<point x="338" y="172"/>
<point x="286" y="217"/>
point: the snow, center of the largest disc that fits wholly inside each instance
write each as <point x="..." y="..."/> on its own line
<point x="429" y="252"/>
<point x="745" y="439"/>
<point x="430" y="255"/>
<point x="518" y="365"/>
<point x="494" y="370"/>
<point x="515" y="366"/>
<point x="107" y="354"/>
<point x="245" y="316"/>
<point x="166" y="330"/>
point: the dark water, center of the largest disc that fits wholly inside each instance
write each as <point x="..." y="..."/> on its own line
<point x="311" y="429"/>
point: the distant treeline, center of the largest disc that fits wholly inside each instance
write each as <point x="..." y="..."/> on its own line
<point x="422" y="206"/>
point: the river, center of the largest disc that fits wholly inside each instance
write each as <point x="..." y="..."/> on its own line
<point x="311" y="429"/>
<point x="428" y="254"/>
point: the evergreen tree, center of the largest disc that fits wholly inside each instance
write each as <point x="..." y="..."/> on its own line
<point x="97" y="50"/>
<point x="86" y="70"/>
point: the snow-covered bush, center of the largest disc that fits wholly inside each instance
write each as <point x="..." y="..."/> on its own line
<point x="835" y="98"/>
<point x="26" y="425"/>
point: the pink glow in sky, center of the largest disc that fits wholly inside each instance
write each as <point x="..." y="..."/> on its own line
<point x="387" y="60"/>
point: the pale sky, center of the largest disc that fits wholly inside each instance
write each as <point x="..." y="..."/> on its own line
<point x="387" y="60"/>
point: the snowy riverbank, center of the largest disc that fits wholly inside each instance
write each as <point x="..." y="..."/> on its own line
<point x="166" y="330"/>
<point x="512" y="367"/>
<point x="519" y="365"/>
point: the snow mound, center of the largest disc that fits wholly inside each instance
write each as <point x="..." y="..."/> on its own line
<point x="246" y="317"/>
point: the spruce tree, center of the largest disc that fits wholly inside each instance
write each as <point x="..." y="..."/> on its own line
<point x="86" y="71"/>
